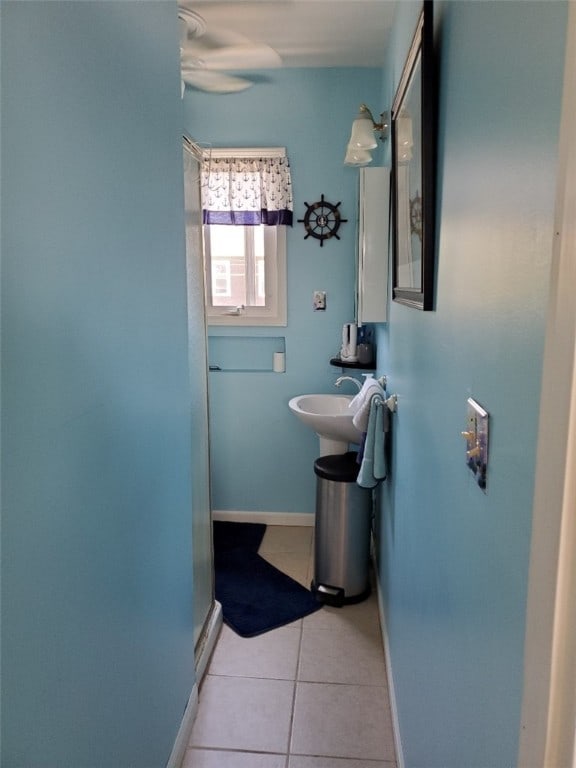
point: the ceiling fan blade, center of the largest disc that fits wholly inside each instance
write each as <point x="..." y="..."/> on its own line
<point x="221" y="37"/>
<point x="251" y="56"/>
<point x="193" y="26"/>
<point x="214" y="82"/>
<point x="191" y="23"/>
<point x="204" y="55"/>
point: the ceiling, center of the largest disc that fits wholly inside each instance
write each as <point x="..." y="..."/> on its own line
<point x="307" y="33"/>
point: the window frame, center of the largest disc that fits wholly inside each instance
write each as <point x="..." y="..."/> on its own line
<point x="274" y="311"/>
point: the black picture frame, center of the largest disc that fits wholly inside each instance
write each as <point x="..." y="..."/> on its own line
<point x="414" y="170"/>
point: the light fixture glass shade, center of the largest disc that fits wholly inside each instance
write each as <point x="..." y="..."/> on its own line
<point x="357" y="156"/>
<point x="362" y="136"/>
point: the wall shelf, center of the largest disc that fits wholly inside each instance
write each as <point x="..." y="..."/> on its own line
<point x="358" y="366"/>
<point x="248" y="354"/>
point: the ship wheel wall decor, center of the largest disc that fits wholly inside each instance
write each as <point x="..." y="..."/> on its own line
<point x="322" y="220"/>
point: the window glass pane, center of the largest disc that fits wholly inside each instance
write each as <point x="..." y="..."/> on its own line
<point x="221" y="282"/>
<point x="259" y="274"/>
<point x="259" y="241"/>
<point x="227" y="250"/>
<point x="238" y="266"/>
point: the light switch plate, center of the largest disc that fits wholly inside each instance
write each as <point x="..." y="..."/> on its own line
<point x="319" y="300"/>
<point x="476" y="436"/>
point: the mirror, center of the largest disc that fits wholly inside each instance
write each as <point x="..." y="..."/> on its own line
<point x="413" y="165"/>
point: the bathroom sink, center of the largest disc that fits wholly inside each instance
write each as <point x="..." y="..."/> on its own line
<point x="331" y="419"/>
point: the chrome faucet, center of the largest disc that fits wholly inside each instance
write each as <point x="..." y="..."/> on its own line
<point x="340" y="379"/>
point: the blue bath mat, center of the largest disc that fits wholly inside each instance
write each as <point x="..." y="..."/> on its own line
<point x="228" y="535"/>
<point x="255" y="596"/>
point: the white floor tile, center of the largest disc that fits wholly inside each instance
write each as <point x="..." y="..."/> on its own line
<point x="334" y="762"/>
<point x="273" y="655"/>
<point x="351" y="655"/>
<point x="243" y="714"/>
<point x="341" y="715"/>
<point x="279" y="538"/>
<point x="293" y="564"/>
<point x="203" y="758"/>
<point x="362" y="615"/>
<point x="350" y="721"/>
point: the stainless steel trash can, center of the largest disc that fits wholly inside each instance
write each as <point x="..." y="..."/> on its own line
<point x="342" y="532"/>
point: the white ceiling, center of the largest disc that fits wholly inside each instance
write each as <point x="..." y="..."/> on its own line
<point x="307" y="33"/>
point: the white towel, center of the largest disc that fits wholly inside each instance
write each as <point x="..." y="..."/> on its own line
<point x="361" y="403"/>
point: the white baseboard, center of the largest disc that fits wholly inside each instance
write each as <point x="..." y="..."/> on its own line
<point x="203" y="653"/>
<point x="390" y="675"/>
<point x="184" y="732"/>
<point x="268" y="518"/>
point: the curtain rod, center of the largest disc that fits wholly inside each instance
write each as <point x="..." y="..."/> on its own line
<point x="192" y="146"/>
<point x="238" y="152"/>
<point x="247" y="152"/>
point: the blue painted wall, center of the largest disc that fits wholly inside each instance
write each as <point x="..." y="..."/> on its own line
<point x="96" y="582"/>
<point x="96" y="532"/>
<point x="262" y="457"/>
<point x="454" y="561"/>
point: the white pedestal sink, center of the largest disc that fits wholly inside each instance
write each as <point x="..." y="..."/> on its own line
<point x="331" y="419"/>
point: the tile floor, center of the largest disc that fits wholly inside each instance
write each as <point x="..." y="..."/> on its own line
<point x="312" y="694"/>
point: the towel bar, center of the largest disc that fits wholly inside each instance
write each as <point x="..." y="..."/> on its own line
<point x="391" y="403"/>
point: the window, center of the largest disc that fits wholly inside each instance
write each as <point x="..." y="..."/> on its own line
<point x="247" y="203"/>
<point x="245" y="274"/>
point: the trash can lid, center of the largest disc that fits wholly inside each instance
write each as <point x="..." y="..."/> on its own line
<point x="342" y="468"/>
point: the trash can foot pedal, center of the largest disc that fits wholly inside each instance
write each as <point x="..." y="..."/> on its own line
<point x="327" y="594"/>
<point x="336" y="596"/>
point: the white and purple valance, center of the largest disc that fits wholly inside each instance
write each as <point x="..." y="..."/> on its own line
<point x="246" y="190"/>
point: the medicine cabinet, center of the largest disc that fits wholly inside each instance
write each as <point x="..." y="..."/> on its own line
<point x="373" y="223"/>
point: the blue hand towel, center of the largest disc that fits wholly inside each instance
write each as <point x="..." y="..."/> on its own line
<point x="366" y="477"/>
<point x="373" y="466"/>
<point x="380" y="442"/>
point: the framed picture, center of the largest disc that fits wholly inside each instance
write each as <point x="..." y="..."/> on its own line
<point x="413" y="171"/>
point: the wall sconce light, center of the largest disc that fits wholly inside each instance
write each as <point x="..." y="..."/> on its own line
<point x="362" y="138"/>
<point x="357" y="157"/>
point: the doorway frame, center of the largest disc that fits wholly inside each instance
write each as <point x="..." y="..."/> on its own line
<point x="548" y="717"/>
